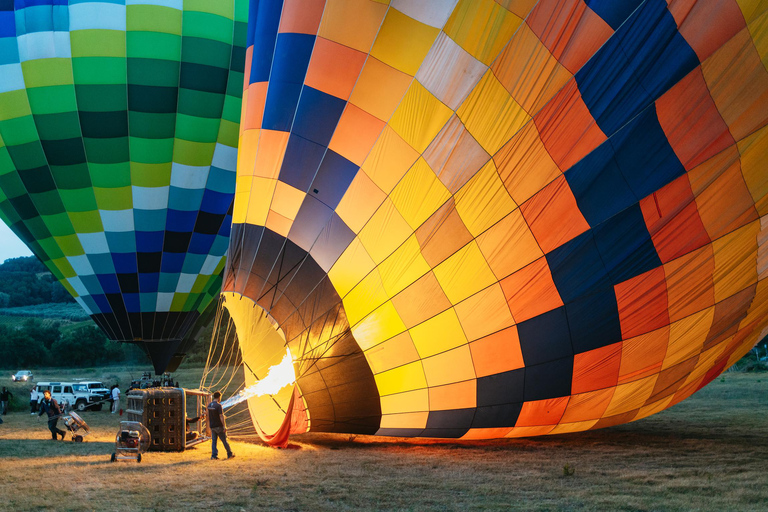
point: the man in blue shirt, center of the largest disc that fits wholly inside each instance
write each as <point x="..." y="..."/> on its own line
<point x="218" y="425"/>
<point x="51" y="407"/>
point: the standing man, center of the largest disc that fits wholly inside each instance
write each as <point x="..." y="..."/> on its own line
<point x="115" y="399"/>
<point x="5" y="397"/>
<point x="217" y="423"/>
<point x="51" y="407"/>
<point x="34" y="397"/>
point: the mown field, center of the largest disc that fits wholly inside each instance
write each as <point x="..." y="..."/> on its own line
<point x="707" y="453"/>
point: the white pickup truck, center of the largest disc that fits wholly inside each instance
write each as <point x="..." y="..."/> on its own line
<point x="81" y="395"/>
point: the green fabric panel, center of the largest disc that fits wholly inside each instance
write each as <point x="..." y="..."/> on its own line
<point x="119" y="198"/>
<point x="102" y="97"/>
<point x="6" y="164"/>
<point x="37" y="181"/>
<point x="48" y="203"/>
<point x="225" y="8"/>
<point x="204" y="78"/>
<point x="208" y="26"/>
<point x="12" y="185"/>
<point x="71" y="176"/>
<point x="17" y="131"/>
<point x="86" y="222"/>
<point x="153" y="18"/>
<point x="63" y="265"/>
<point x="37" y="227"/>
<point x="232" y="109"/>
<point x="205" y="104"/>
<point x="196" y="129"/>
<point x="28" y="156"/>
<point x="99" y="70"/>
<point x="111" y="175"/>
<point x="58" y="224"/>
<point x="153" y="72"/>
<point x="204" y="51"/>
<point x="151" y="151"/>
<point x="97" y="43"/>
<point x="78" y="200"/>
<point x="64" y="153"/>
<point x="152" y="175"/>
<point x="235" y="87"/>
<point x="14" y="104"/>
<point x="50" y="248"/>
<point x="107" y="151"/>
<point x="193" y="153"/>
<point x="52" y="100"/>
<point x="153" y="45"/>
<point x="151" y="126"/>
<point x="45" y="72"/>
<point x="229" y="133"/>
<point x="64" y="125"/>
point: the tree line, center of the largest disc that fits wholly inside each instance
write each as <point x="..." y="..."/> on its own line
<point x="24" y="281"/>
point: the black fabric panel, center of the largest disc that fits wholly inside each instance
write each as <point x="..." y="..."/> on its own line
<point x="545" y="337"/>
<point x="502" y="388"/>
<point x="549" y="380"/>
<point x="148" y="262"/>
<point x="129" y="283"/>
<point x="495" y="416"/>
<point x="577" y="268"/>
<point x="594" y="321"/>
<point x="155" y="99"/>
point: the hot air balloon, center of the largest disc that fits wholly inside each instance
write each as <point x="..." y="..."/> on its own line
<point x="118" y="135"/>
<point x="478" y="219"/>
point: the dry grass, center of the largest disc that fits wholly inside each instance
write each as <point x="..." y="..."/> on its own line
<point x="708" y="453"/>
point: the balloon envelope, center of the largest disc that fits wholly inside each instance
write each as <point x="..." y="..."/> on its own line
<point x="118" y="134"/>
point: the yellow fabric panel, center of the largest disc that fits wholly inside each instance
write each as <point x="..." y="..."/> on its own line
<point x="279" y="224"/>
<point x="389" y="160"/>
<point x="707" y="361"/>
<point x="360" y="201"/>
<point x="365" y="297"/>
<point x="352" y="23"/>
<point x="459" y="395"/>
<point x="491" y="115"/>
<point x="403" y="42"/>
<point x="242" y="194"/>
<point x="379" y="89"/>
<point x="464" y="273"/>
<point x="351" y="267"/>
<point x="405" y="420"/>
<point x="419" y="194"/>
<point x="384" y="232"/>
<point x="752" y="9"/>
<point x="392" y="353"/>
<point x="438" y="334"/>
<point x="247" y="148"/>
<point x="262" y="190"/>
<point x="403" y="378"/>
<point x="735" y="260"/>
<point x="754" y="154"/>
<point x="484" y="313"/>
<point x="287" y="200"/>
<point x="686" y="337"/>
<point x="509" y="245"/>
<point x="403" y="267"/>
<point x="631" y="396"/>
<point x="482" y="27"/>
<point x="483" y="201"/>
<point x="409" y="401"/>
<point x="658" y="406"/>
<point x="449" y="367"/>
<point x="579" y="426"/>
<point x="419" y="117"/>
<point x="421" y="300"/>
<point x="758" y="29"/>
<point x="380" y="325"/>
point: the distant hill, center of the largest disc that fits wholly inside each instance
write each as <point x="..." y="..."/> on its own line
<point x="24" y="281"/>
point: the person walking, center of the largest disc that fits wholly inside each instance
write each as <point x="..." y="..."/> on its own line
<point x="51" y="407"/>
<point x="115" y="399"/>
<point x="34" y="397"/>
<point x="5" y="397"/>
<point x="218" y="425"/>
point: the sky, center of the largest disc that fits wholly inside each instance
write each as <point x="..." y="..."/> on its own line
<point x="10" y="245"/>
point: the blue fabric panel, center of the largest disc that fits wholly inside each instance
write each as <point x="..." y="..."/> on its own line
<point x="310" y="221"/>
<point x="545" y="337"/>
<point x="168" y="282"/>
<point x="625" y="245"/>
<point x="594" y="321"/>
<point x="644" y="155"/>
<point x="317" y="116"/>
<point x="8" y="28"/>
<point x="222" y="181"/>
<point x="577" y="268"/>
<point x="450" y="424"/>
<point x="172" y="262"/>
<point x="301" y="162"/>
<point x="193" y="263"/>
<point x="219" y="246"/>
<point x="292" y="54"/>
<point x="185" y="199"/>
<point x="263" y="21"/>
<point x="91" y="284"/>
<point x="109" y="283"/>
<point x="149" y="220"/>
<point x="333" y="179"/>
<point x="598" y="185"/>
<point x="102" y="303"/>
<point x="132" y="302"/>
<point x="614" y="12"/>
<point x="122" y="241"/>
<point x="6" y="5"/>
<point x="334" y="239"/>
<point x="200" y="243"/>
<point x="226" y="226"/>
<point x="101" y="263"/>
<point x="9" y="50"/>
<point x="125" y="263"/>
<point x="148" y="282"/>
<point x="280" y="108"/>
<point x="494" y="416"/>
<point x="216" y="202"/>
<point x="548" y="380"/>
<point x="181" y="221"/>
<point x="148" y="303"/>
<point x="149" y="241"/>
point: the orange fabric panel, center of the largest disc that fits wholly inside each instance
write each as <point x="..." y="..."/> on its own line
<point x="642" y="303"/>
<point x="596" y="369"/>
<point x="686" y="337"/>
<point x="673" y="220"/>
<point x="571" y="30"/>
<point x="519" y="7"/>
<point x="460" y="395"/>
<point x="484" y="312"/>
<point x="724" y="202"/>
<point x="754" y="154"/>
<point x="728" y="315"/>
<point x="420" y="301"/>
<point x="452" y="366"/>
<point x="334" y="68"/>
<point x="278" y="223"/>
<point x="254" y="106"/>
<point x="531" y="291"/>
<point x="567" y="128"/>
<point x="643" y="355"/>
<point x="630" y="397"/>
<point x="392" y="353"/>
<point x="352" y="23"/>
<point x="553" y="215"/>
<point x="389" y="160"/>
<point x="442" y="234"/>
<point x="509" y="245"/>
<point x="497" y="353"/>
<point x="530" y="431"/>
<point x="528" y="70"/>
<point x="301" y="16"/>
<point x="618" y="419"/>
<point x="689" y="283"/>
<point x="247" y="74"/>
<point x="379" y="88"/>
<point x="691" y="121"/>
<point x="587" y="406"/>
<point x="738" y="82"/>
<point x="702" y="30"/>
<point x="524" y="164"/>
<point x="735" y="261"/>
<point x="454" y="155"/>
<point x="686" y="391"/>
<point x="360" y="202"/>
<point x="270" y="154"/>
<point x="355" y="134"/>
<point x="671" y="379"/>
<point x="486" y="433"/>
<point x="542" y="412"/>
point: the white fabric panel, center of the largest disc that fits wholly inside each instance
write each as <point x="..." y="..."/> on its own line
<point x="186" y="281"/>
<point x="210" y="264"/>
<point x="83" y="305"/>
<point x="433" y="12"/>
<point x="94" y="243"/>
<point x="117" y="220"/>
<point x="44" y="45"/>
<point x="96" y="15"/>
<point x="225" y="157"/>
<point x="188" y="176"/>
<point x="449" y="72"/>
<point x="164" y="301"/>
<point x="150" y="198"/>
<point x="81" y="265"/>
<point x="78" y="285"/>
<point x="11" y="77"/>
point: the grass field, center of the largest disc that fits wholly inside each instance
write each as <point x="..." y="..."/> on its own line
<point x="707" y="453"/>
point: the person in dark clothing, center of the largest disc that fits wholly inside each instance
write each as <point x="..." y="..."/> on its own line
<point x="51" y="407"/>
<point x="218" y="424"/>
<point x="5" y="397"/>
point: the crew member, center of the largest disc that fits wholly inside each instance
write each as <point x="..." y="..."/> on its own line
<point x="218" y="424"/>
<point x="51" y="407"/>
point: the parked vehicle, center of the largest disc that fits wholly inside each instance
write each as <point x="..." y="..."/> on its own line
<point x="81" y="395"/>
<point x="22" y="376"/>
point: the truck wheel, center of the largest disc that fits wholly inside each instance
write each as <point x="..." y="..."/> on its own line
<point x="81" y="405"/>
<point x="114" y="457"/>
<point x="138" y="457"/>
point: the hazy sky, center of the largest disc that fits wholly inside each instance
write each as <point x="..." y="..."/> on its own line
<point x="10" y="245"/>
